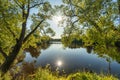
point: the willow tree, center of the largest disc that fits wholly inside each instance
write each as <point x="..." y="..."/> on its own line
<point x="14" y="17"/>
<point x="97" y="17"/>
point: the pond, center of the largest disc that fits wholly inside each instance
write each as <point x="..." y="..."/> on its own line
<point x="73" y="59"/>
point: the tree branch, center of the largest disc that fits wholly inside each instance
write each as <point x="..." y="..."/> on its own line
<point x="25" y="39"/>
<point x="28" y="9"/>
<point x="75" y="21"/>
<point x="3" y="53"/>
<point x="85" y="12"/>
<point x="95" y="25"/>
<point x="22" y="34"/>
<point x="7" y="26"/>
<point x="18" y="4"/>
<point x="36" y="5"/>
<point x="72" y="26"/>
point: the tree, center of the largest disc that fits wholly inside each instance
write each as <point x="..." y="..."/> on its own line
<point x="96" y="17"/>
<point x="14" y="16"/>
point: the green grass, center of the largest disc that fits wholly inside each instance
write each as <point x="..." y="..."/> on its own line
<point x="45" y="74"/>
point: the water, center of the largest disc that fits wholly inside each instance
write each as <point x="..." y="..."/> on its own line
<point x="72" y="60"/>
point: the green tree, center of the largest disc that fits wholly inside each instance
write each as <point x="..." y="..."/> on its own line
<point x="14" y="15"/>
<point x="95" y="17"/>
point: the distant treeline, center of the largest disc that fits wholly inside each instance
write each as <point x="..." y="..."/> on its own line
<point x="55" y="40"/>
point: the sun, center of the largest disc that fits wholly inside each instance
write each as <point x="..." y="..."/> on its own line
<point x="57" y="18"/>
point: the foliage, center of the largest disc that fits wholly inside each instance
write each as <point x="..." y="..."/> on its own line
<point x="44" y="74"/>
<point x="93" y="22"/>
<point x="15" y="34"/>
<point x="7" y="76"/>
<point x="96" y="23"/>
<point x="108" y="52"/>
<point x="97" y="20"/>
<point x="89" y="76"/>
<point x="72" y="39"/>
<point x="45" y="39"/>
<point x="9" y="25"/>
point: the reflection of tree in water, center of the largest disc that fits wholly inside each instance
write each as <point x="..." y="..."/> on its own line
<point x="25" y="69"/>
<point x="72" y="44"/>
<point x="45" y="45"/>
<point x="109" y="65"/>
<point x="77" y="44"/>
<point x="28" y="68"/>
<point x="101" y="50"/>
<point x="107" y="52"/>
<point x="110" y="51"/>
<point x="35" y="52"/>
<point x="89" y="49"/>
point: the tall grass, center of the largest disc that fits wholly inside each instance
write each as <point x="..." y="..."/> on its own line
<point x="45" y="74"/>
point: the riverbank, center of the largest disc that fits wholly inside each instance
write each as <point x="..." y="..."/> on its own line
<point x="45" y="74"/>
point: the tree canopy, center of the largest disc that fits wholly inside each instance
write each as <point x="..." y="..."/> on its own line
<point x="15" y="32"/>
<point x="97" y="20"/>
<point x="23" y="23"/>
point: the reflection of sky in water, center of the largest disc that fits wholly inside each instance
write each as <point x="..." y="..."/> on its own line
<point x="73" y="59"/>
<point x="29" y="58"/>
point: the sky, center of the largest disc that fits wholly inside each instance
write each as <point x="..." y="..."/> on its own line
<point x="55" y="2"/>
<point x="58" y="30"/>
<point x="53" y="23"/>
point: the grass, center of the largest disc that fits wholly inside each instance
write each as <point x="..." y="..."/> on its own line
<point x="45" y="74"/>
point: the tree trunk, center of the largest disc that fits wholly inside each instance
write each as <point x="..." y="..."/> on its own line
<point x="12" y="55"/>
<point x="10" y="59"/>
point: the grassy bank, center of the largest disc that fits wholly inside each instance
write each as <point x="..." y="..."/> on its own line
<point x="44" y="74"/>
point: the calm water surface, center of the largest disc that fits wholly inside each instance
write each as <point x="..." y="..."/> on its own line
<point x="71" y="60"/>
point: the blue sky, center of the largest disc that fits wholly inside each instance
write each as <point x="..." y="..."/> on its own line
<point x="58" y="30"/>
<point x="55" y="2"/>
<point x="53" y="24"/>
